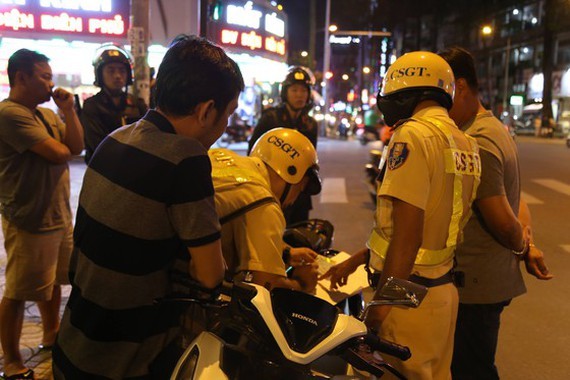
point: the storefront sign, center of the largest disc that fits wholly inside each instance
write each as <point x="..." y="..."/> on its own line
<point x="243" y="16"/>
<point x="250" y="26"/>
<point x="61" y="18"/>
<point x="253" y="41"/>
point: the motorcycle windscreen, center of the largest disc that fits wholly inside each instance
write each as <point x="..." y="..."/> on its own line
<point x="304" y="320"/>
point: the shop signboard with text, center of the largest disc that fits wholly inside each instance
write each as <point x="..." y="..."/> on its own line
<point x="250" y="27"/>
<point x="68" y="19"/>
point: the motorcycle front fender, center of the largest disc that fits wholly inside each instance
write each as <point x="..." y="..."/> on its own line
<point x="201" y="360"/>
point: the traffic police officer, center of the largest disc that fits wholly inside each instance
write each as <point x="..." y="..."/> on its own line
<point x="424" y="200"/>
<point x="112" y="107"/>
<point x="296" y="102"/>
<point x="250" y="193"/>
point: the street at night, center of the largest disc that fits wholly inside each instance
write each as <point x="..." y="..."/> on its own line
<point x="304" y="95"/>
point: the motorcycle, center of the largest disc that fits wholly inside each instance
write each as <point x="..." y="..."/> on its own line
<point x="372" y="168"/>
<point x="238" y="131"/>
<point x="318" y="234"/>
<point x="279" y="334"/>
<point x="371" y="173"/>
<point x="367" y="134"/>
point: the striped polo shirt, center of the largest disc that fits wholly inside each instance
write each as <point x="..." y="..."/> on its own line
<point x="147" y="196"/>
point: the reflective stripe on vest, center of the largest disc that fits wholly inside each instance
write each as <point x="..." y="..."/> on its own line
<point x="223" y="165"/>
<point x="378" y="247"/>
<point x="459" y="163"/>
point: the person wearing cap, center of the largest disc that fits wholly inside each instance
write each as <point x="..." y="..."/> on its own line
<point x="293" y="112"/>
<point x="113" y="106"/>
<point x="431" y="171"/>
<point x="250" y="195"/>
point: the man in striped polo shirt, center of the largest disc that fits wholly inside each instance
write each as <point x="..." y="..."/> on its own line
<point x="146" y="216"/>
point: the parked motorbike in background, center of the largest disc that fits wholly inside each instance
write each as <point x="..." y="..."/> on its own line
<point x="278" y="334"/>
<point x="371" y="173"/>
<point x="368" y="133"/>
<point x="372" y="167"/>
<point x="237" y="131"/>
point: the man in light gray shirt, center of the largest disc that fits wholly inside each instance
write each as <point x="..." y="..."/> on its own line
<point x="498" y="235"/>
<point x="35" y="146"/>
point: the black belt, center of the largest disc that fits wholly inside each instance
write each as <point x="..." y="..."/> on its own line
<point x="373" y="279"/>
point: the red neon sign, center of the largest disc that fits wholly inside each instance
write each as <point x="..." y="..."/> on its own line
<point x="42" y="19"/>
<point x="253" y="41"/>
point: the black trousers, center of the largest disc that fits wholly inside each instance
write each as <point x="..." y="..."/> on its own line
<point x="476" y="335"/>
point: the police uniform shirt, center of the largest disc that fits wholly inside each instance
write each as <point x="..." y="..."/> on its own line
<point x="415" y="174"/>
<point x="253" y="241"/>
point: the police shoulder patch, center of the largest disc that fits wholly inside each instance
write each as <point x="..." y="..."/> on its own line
<point x="398" y="155"/>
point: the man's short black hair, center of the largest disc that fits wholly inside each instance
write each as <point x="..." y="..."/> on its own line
<point x="23" y="60"/>
<point x="193" y="71"/>
<point x="462" y="64"/>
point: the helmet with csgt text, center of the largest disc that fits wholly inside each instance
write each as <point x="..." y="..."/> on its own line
<point x="111" y="53"/>
<point x="418" y="70"/>
<point x="413" y="78"/>
<point x="291" y="155"/>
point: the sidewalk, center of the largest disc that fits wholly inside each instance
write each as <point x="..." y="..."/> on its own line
<point x="40" y="361"/>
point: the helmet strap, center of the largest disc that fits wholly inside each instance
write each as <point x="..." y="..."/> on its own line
<point x="285" y="192"/>
<point x="395" y="108"/>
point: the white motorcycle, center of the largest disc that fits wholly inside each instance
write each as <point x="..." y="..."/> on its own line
<point x="279" y="334"/>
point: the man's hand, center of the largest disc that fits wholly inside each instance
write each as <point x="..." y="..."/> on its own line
<point x="376" y="315"/>
<point x="535" y="265"/>
<point x="339" y="273"/>
<point x="301" y="256"/>
<point x="63" y="99"/>
<point x="307" y="275"/>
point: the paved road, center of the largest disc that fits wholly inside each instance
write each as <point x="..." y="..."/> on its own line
<point x="535" y="335"/>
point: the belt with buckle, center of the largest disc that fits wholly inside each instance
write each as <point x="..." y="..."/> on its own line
<point x="447" y="278"/>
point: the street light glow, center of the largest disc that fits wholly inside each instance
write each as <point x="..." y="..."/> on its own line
<point x="329" y="74"/>
<point x="344" y="76"/>
<point x="366" y="70"/>
<point x="487" y="30"/>
<point x="304" y="53"/>
<point x="333" y="28"/>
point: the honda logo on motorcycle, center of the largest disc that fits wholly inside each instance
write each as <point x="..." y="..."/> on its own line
<point x="304" y="318"/>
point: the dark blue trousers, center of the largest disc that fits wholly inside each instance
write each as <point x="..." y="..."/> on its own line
<point x="476" y="336"/>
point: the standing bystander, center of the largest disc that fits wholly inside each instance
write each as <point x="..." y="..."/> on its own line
<point x="495" y="240"/>
<point x="35" y="146"/>
<point x="113" y="106"/>
<point x="147" y="225"/>
<point x="293" y="112"/>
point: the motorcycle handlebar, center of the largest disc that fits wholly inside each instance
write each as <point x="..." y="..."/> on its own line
<point x="378" y="344"/>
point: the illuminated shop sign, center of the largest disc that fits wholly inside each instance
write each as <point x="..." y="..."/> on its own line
<point x="250" y="26"/>
<point x="244" y="16"/>
<point x="253" y="41"/>
<point x="61" y="18"/>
